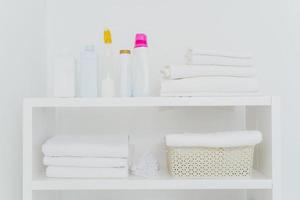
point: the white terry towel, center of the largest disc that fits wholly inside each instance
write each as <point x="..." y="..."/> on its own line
<point x="199" y="57"/>
<point x="85" y="162"/>
<point x="210" y="85"/>
<point x="79" y="172"/>
<point x="200" y="52"/>
<point x="178" y="72"/>
<point x="87" y="146"/>
<point x="218" y="139"/>
<point x="218" y="61"/>
<point x="208" y="94"/>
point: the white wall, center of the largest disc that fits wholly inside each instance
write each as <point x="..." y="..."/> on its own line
<point x="21" y="74"/>
<point x="291" y="98"/>
<point x="269" y="29"/>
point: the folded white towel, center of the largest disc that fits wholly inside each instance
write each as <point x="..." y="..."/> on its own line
<point x="198" y="57"/>
<point x="87" y="146"/>
<point x="208" y="94"/>
<point x="218" y="61"/>
<point x="196" y="52"/>
<point x="85" y="162"/>
<point x="79" y="172"/>
<point x="178" y="72"/>
<point x="219" y="139"/>
<point x="210" y="85"/>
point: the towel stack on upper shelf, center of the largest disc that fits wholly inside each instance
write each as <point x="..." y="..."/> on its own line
<point x="208" y="73"/>
<point x="86" y="156"/>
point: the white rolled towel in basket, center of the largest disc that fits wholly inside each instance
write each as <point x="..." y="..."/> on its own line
<point x="218" y="139"/>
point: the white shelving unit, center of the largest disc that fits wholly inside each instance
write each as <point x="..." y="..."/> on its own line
<point x="45" y="117"/>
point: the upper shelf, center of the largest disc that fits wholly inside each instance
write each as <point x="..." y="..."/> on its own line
<point x="149" y="101"/>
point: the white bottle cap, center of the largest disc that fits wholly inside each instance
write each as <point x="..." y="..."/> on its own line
<point x="89" y="48"/>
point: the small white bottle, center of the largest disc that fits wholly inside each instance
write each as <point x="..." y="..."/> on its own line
<point x="88" y="72"/>
<point x="64" y="74"/>
<point x="125" y="74"/>
<point x="107" y="67"/>
<point x="141" y="86"/>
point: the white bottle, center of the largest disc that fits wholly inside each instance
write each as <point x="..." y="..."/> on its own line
<point x="64" y="74"/>
<point x="141" y="86"/>
<point x="125" y="74"/>
<point x="88" y="72"/>
<point x="107" y="67"/>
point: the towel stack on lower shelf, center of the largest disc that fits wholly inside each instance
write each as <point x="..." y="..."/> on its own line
<point x="86" y="156"/>
<point x="209" y="73"/>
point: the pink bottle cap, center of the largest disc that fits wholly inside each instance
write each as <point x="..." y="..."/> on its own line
<point x="140" y="40"/>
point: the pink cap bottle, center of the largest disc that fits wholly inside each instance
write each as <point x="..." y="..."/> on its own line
<point x="140" y="40"/>
<point x="140" y="67"/>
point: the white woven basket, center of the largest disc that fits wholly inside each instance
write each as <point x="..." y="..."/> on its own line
<point x="208" y="162"/>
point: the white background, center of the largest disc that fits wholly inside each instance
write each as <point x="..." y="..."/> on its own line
<point x="32" y="31"/>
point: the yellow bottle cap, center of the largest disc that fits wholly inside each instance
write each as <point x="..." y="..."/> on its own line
<point x="107" y="36"/>
<point x="124" y="51"/>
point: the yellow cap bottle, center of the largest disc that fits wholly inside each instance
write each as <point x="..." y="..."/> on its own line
<point x="107" y="36"/>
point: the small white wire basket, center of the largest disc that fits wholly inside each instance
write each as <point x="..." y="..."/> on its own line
<point x="210" y="162"/>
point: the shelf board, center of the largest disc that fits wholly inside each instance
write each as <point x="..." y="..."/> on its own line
<point x="149" y="101"/>
<point x="257" y="181"/>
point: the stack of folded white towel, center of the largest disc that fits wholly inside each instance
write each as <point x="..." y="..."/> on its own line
<point x="86" y="156"/>
<point x="208" y="73"/>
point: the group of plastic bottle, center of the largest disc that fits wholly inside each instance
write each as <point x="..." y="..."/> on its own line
<point x="104" y="77"/>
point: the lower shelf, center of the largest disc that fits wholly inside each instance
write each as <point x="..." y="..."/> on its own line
<point x="257" y="181"/>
